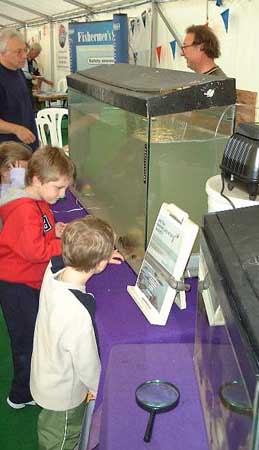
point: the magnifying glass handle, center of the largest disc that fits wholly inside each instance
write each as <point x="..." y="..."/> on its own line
<point x="149" y="428"/>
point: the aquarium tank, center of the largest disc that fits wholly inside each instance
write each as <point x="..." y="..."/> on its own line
<point x="143" y="136"/>
<point x="226" y="349"/>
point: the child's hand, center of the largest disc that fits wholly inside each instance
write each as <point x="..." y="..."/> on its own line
<point x="14" y="165"/>
<point x="116" y="257"/>
<point x="59" y="228"/>
<point x="89" y="396"/>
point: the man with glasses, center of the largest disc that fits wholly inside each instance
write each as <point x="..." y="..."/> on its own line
<point x="200" y="48"/>
<point x="17" y="122"/>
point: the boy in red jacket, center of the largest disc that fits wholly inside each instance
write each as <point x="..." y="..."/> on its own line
<point x="28" y="240"/>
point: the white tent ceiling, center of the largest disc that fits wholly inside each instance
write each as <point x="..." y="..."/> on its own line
<point x="20" y="13"/>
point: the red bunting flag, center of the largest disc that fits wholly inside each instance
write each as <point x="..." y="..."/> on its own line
<point x="158" y="52"/>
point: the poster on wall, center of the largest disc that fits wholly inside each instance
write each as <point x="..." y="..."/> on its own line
<point x="62" y="54"/>
<point x="91" y="44"/>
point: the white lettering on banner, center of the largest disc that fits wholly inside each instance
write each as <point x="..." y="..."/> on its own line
<point x="95" y="37"/>
<point x="104" y="60"/>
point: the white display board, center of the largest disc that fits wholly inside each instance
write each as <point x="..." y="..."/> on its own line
<point x="164" y="263"/>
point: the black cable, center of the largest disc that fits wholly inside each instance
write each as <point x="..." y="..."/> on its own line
<point x="221" y="192"/>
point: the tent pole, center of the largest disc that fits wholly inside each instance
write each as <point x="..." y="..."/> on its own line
<point x="169" y="27"/>
<point x="52" y="52"/>
<point x="153" y="12"/>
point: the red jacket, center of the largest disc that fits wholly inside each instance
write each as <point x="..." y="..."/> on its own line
<point x="27" y="240"/>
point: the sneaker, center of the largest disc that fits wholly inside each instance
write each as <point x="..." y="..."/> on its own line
<point x="20" y="405"/>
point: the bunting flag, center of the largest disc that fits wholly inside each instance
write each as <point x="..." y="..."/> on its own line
<point x="135" y="56"/>
<point x="219" y="2"/>
<point x="144" y="17"/>
<point x="173" y="47"/>
<point x="132" y="25"/>
<point x="225" y="17"/>
<point x="158" y="52"/>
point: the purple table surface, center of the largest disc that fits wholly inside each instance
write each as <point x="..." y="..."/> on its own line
<point x="120" y="321"/>
<point x="124" y="422"/>
<point x="68" y="209"/>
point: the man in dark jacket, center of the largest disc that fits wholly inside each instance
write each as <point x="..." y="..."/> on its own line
<point x="17" y="122"/>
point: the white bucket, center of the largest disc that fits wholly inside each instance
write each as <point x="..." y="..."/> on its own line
<point x="218" y="203"/>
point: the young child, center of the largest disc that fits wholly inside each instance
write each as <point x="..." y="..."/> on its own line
<point x="28" y="239"/>
<point x="65" y="361"/>
<point x="14" y="157"/>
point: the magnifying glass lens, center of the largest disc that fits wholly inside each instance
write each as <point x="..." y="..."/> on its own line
<point x="157" y="394"/>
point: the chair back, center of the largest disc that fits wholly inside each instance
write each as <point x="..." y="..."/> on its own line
<point x="62" y="85"/>
<point x="46" y="131"/>
<point x="51" y="118"/>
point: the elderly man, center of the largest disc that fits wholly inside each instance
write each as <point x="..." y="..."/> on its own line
<point x="17" y="122"/>
<point x="33" y="69"/>
<point x="200" y="48"/>
<point x="34" y="79"/>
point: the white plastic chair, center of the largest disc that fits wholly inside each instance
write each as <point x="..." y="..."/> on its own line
<point x="50" y="120"/>
<point x="46" y="131"/>
<point x="62" y="85"/>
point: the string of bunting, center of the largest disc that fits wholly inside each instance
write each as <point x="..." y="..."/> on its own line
<point x="224" y="14"/>
<point x="173" y="44"/>
<point x="136" y="21"/>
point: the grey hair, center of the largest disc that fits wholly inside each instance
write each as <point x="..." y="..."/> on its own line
<point x="6" y="35"/>
<point x="36" y="46"/>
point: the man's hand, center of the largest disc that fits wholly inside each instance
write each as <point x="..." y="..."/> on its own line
<point x="24" y="134"/>
<point x="50" y="83"/>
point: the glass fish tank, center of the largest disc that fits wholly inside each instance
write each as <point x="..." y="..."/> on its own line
<point x="140" y="137"/>
<point x="226" y="351"/>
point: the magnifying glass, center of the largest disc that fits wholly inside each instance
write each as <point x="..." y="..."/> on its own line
<point x="233" y="396"/>
<point x="156" y="396"/>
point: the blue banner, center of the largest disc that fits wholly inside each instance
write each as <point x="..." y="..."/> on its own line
<point x="91" y="44"/>
<point x="121" y="46"/>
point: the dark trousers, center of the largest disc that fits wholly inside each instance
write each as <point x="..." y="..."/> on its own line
<point x="20" y="305"/>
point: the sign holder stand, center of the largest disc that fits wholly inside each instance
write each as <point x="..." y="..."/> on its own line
<point x="160" y="279"/>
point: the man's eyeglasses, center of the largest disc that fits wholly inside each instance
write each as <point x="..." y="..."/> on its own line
<point x="187" y="45"/>
<point x="18" y="52"/>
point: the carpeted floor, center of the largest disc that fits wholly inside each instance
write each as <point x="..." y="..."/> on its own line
<point x="18" y="428"/>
